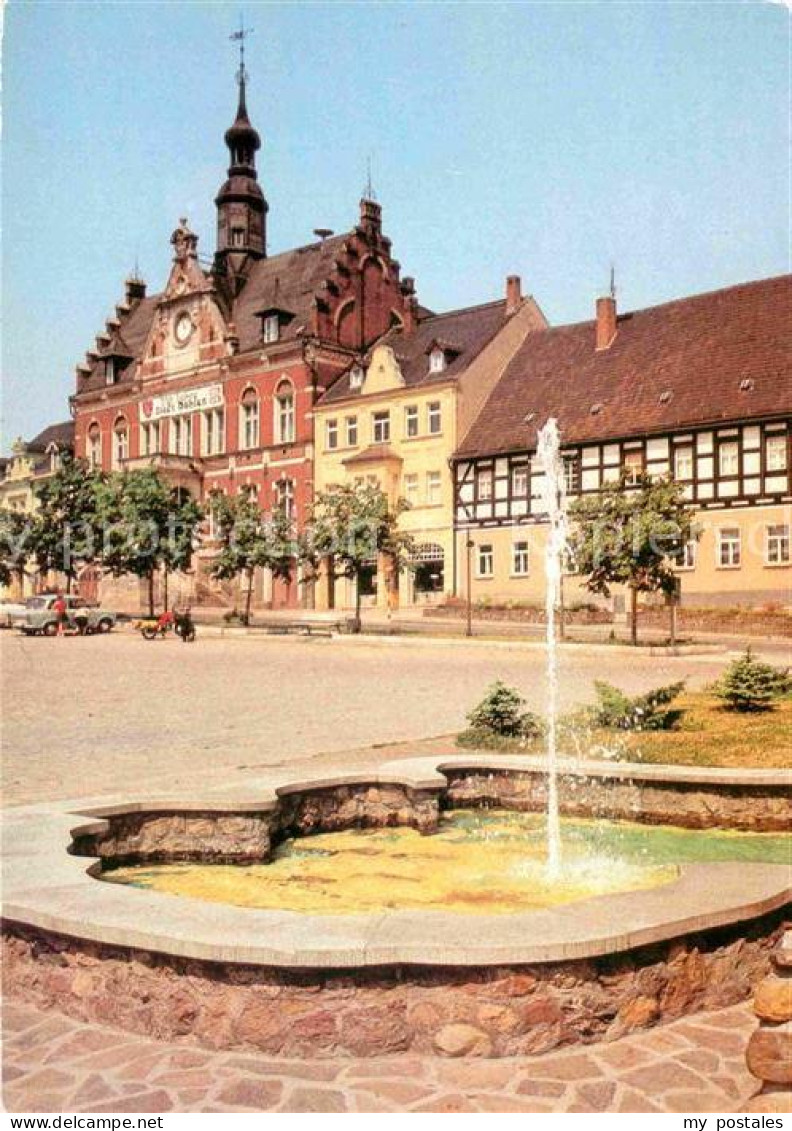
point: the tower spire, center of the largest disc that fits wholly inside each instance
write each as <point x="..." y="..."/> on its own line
<point x="241" y="207"/>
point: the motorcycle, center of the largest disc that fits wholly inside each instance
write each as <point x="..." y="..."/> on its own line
<point x="184" y="626"/>
<point x="151" y="628"/>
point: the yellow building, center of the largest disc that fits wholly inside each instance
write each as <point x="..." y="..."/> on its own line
<point x="31" y="463"/>
<point x="395" y="420"/>
<point x="697" y="389"/>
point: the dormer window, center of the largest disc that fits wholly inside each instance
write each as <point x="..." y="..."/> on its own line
<point x="237" y="237"/>
<point x="437" y="360"/>
<point x="270" y="328"/>
<point x="111" y="374"/>
<point x="356" y="377"/>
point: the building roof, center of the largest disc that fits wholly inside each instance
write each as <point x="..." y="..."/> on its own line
<point x="669" y="367"/>
<point x="60" y="434"/>
<point x="464" y="333"/>
<point x="286" y="282"/>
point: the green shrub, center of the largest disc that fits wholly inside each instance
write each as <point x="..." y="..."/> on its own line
<point x="501" y="712"/>
<point x="617" y="711"/>
<point x="750" y="685"/>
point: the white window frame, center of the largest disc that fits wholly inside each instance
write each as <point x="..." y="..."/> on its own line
<point x="437" y="360"/>
<point x="434" y="418"/>
<point x="180" y="435"/>
<point x="94" y="446"/>
<point x="521" y="559"/>
<point x="250" y="423"/>
<point x="731" y="447"/>
<point x="522" y="471"/>
<point x="411" y="421"/>
<point x="285" y="413"/>
<point x="120" y="444"/>
<point x="485" y="475"/>
<point x="351" y="431"/>
<point x="688" y="556"/>
<point x="632" y="466"/>
<point x="356" y="376"/>
<point x="284" y="489"/>
<point x="212" y="431"/>
<point x="434" y="488"/>
<point x="150" y="437"/>
<point x="331" y="434"/>
<point x="777" y="552"/>
<point x="485" y="560"/>
<point x="724" y="542"/>
<point x="270" y="328"/>
<point x="380" y="427"/>
<point x="684" y="452"/>
<point x="779" y="442"/>
<point x="412" y="489"/>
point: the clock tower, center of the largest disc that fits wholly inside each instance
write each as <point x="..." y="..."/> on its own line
<point x="241" y="207"/>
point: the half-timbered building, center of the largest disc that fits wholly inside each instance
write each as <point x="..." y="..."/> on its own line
<point x="699" y="389"/>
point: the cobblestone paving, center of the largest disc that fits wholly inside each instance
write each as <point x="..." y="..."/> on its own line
<point x="101" y="715"/>
<point x="55" y="1064"/>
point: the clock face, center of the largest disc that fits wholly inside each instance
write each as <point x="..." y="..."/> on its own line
<point x="183" y="328"/>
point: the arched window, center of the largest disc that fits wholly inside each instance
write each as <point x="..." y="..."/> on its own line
<point x="120" y="442"/>
<point x="284" y="413"/>
<point x="94" y="447"/>
<point x="249" y="419"/>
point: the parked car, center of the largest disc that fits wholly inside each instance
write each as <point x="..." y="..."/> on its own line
<point x="40" y="617"/>
<point x="11" y="612"/>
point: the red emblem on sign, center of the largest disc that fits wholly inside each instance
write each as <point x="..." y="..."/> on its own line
<point x="148" y="407"/>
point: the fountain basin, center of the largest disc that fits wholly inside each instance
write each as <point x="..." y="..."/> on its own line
<point x="311" y="984"/>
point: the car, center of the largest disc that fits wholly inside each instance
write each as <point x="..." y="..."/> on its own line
<point x="11" y="612"/>
<point x="40" y="617"/>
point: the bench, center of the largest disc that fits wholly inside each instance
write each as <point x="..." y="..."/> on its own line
<point x="302" y="628"/>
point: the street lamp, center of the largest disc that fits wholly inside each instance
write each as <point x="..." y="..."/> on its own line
<point x="469" y="547"/>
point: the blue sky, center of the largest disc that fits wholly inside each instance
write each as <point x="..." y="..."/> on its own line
<point x="542" y="139"/>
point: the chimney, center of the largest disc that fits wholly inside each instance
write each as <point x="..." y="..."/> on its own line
<point x="135" y="290"/>
<point x="606" y="322"/>
<point x="410" y="303"/>
<point x="513" y="293"/>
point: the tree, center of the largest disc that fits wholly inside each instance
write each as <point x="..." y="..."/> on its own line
<point x="147" y="525"/>
<point x="16" y="536"/>
<point x="348" y="527"/>
<point x="750" y="685"/>
<point x="66" y="531"/>
<point x="251" y="540"/>
<point x="631" y="535"/>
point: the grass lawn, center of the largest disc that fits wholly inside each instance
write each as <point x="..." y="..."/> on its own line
<point x="708" y="735"/>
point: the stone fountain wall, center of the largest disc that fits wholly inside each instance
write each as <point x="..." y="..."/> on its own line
<point x="479" y="1011"/>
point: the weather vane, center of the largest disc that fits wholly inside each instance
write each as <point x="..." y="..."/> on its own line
<point x="240" y="37"/>
<point x="369" y="189"/>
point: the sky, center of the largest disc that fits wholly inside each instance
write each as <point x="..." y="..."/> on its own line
<point x="548" y="140"/>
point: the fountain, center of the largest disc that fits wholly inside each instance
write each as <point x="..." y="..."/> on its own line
<point x="554" y="501"/>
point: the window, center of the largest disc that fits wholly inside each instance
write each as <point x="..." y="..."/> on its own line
<point x="437" y="360"/>
<point x="484" y="484"/>
<point x="237" y="237"/>
<point x="411" y="489"/>
<point x="729" y="547"/>
<point x="270" y="328"/>
<point x="356" y="377"/>
<point x="213" y="429"/>
<point x="381" y="422"/>
<point x="94" y="446"/>
<point x="520" y="559"/>
<point x="111" y="372"/>
<point x="351" y="431"/>
<point x="520" y="480"/>
<point x="411" y="421"/>
<point x="683" y="462"/>
<point x="777" y="544"/>
<point x="250" y="492"/>
<point x="728" y="459"/>
<point x="332" y="433"/>
<point x="249" y="419"/>
<point x="632" y="466"/>
<point x="150" y="438"/>
<point x="686" y="559"/>
<point x="433" y="488"/>
<point x="572" y="474"/>
<point x="120" y="443"/>
<point x="285" y="496"/>
<point x="486" y="560"/>
<point x="284" y="413"/>
<point x="181" y="435"/>
<point x="435" y="419"/>
<point x="776" y="453"/>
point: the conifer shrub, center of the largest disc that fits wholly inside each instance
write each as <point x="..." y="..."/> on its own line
<point x="501" y="721"/>
<point x="616" y="711"/>
<point x="749" y="684"/>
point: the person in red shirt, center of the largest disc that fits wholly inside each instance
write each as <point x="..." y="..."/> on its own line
<point x="59" y="608"/>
